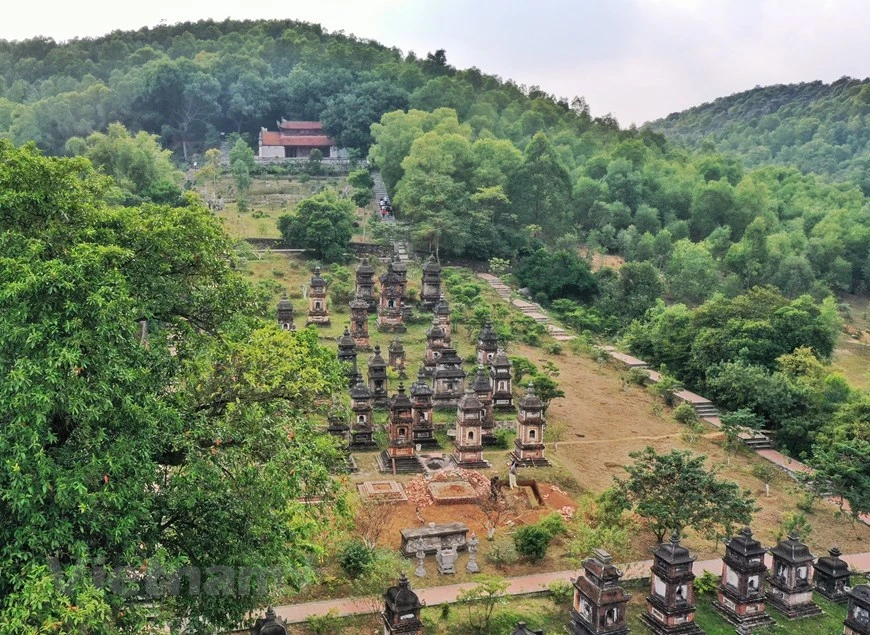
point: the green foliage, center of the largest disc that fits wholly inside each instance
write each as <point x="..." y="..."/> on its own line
<point x="532" y="541"/>
<point x="501" y="553"/>
<point x="706" y="583"/>
<point x="356" y="558"/>
<point x="673" y="491"/>
<point x="561" y="592"/>
<point x="241" y="166"/>
<point x="481" y="601"/>
<point x="685" y="414"/>
<point x="328" y="624"/>
<point x="553" y="524"/>
<point x="559" y="274"/>
<point x="361" y="179"/>
<point x="340" y="286"/>
<point x="794" y="523"/>
<point x="763" y="470"/>
<point x="323" y="222"/>
<point x="141" y="168"/>
<point x="117" y="444"/>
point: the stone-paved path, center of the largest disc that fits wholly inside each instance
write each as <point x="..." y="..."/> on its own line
<point x="520" y="585"/>
<point x="532" y="309"/>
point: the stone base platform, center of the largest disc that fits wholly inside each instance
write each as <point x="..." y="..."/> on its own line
<point x="689" y="628"/>
<point x="757" y="621"/>
<point x="391" y="491"/>
<point x="403" y="465"/>
<point x="796" y="612"/>
<point x="452" y="492"/>
<point x="471" y="465"/>
<point x="542" y="462"/>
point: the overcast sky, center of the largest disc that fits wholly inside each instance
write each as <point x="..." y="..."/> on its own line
<point x="638" y="59"/>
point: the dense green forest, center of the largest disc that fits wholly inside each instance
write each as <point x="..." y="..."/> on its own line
<point x="483" y="168"/>
<point x="816" y="127"/>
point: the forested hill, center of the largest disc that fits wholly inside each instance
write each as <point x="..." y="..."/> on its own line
<point x="816" y="127"/>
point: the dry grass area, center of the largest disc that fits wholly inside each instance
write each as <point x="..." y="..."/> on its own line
<point x="605" y="421"/>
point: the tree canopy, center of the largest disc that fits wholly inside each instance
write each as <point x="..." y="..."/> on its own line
<point x="323" y="222"/>
<point x="149" y="415"/>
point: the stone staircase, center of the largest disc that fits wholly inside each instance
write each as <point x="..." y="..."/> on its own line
<point x="379" y="187"/>
<point x="706" y="409"/>
<point x="757" y="441"/>
<point x="532" y="309"/>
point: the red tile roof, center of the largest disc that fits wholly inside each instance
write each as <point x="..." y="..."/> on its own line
<point x="299" y="125"/>
<point x="270" y="138"/>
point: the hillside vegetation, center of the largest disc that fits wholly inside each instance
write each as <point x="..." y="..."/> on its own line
<point x="816" y="127"/>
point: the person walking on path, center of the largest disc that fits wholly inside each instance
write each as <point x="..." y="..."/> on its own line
<point x="512" y="474"/>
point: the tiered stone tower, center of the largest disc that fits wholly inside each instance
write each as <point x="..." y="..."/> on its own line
<point x="397" y="357"/>
<point x="529" y="442"/>
<point x="468" y="444"/>
<point x="600" y="604"/>
<point x="790" y="583"/>
<point x="362" y="427"/>
<point x="740" y="597"/>
<point x="487" y="345"/>
<point x="390" y="317"/>
<point x="483" y="390"/>
<point x="421" y="400"/>
<point x="377" y="368"/>
<point x="501" y="376"/>
<point x="400" y="455"/>
<point x="318" y="313"/>
<point x="402" y="610"/>
<point x="670" y="605"/>
<point x="347" y="356"/>
<point x="365" y="286"/>
<point x="857" y="620"/>
<point x="430" y="289"/>
<point x="284" y="313"/>
<point x="401" y="270"/>
<point x="442" y="314"/>
<point x="449" y="383"/>
<point x="359" y="323"/>
<point x="832" y="576"/>
<point x="436" y="341"/>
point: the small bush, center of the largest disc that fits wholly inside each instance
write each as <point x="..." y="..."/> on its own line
<point x="278" y="273"/>
<point x="532" y="542"/>
<point x="553" y="524"/>
<point x="685" y="414"/>
<point x="356" y="558"/>
<point x="501" y="553"/>
<point x="807" y="502"/>
<point x="329" y="624"/>
<point x="503" y="438"/>
<point x="763" y="471"/>
<point x="561" y="592"/>
<point x="706" y="583"/>
<point x="445" y="612"/>
<point x="554" y="349"/>
<point x="636" y="376"/>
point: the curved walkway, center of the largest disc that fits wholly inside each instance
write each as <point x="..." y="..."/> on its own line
<point x="519" y="585"/>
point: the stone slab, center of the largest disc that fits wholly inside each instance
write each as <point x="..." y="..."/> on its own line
<point x="434" y="536"/>
<point x="382" y="490"/>
<point x="452" y="492"/>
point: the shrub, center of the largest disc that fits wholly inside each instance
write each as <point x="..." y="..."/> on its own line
<point x="503" y="438"/>
<point x="554" y="349"/>
<point x="356" y="558"/>
<point x="329" y="624"/>
<point x="501" y="552"/>
<point x="706" y="583"/>
<point x="553" y="524"/>
<point x="532" y="542"/>
<point x="685" y="414"/>
<point x="763" y="471"/>
<point x="561" y="592"/>
<point x="636" y="376"/>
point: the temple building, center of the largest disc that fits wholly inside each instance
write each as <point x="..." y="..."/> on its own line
<point x="483" y="389"/>
<point x="857" y="620"/>
<point x="449" y="379"/>
<point x="400" y="455"/>
<point x="740" y="596"/>
<point x="402" y="608"/>
<point x="832" y="576"/>
<point x="318" y="313"/>
<point x="468" y="443"/>
<point x="430" y="289"/>
<point x="284" y="313"/>
<point x="296" y="140"/>
<point x="487" y="345"/>
<point x="600" y="604"/>
<point x="390" y="316"/>
<point x="529" y="442"/>
<point x="436" y="341"/>
<point x="501" y="376"/>
<point x="347" y="356"/>
<point x="365" y="286"/>
<point x="377" y="368"/>
<point x="424" y="424"/>
<point x="790" y="586"/>
<point x="362" y="426"/>
<point x="359" y="323"/>
<point x="670" y="605"/>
